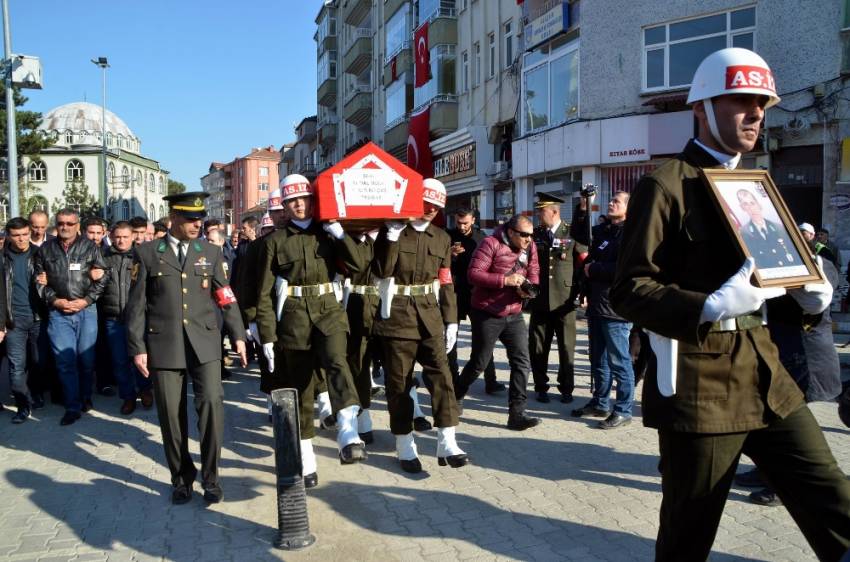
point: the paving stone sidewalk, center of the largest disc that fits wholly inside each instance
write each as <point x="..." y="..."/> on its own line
<point x="99" y="490"/>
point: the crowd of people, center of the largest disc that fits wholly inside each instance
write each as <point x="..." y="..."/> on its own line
<point x="320" y="303"/>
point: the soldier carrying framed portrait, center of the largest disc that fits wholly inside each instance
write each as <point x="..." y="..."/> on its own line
<point x="759" y="220"/>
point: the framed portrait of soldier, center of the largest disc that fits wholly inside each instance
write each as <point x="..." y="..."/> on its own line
<point x="760" y="221"/>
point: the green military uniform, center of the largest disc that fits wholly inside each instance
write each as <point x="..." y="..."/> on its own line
<point x="415" y="330"/>
<point x="171" y="317"/>
<point x="733" y="395"/>
<point x="362" y="309"/>
<point x="313" y="326"/>
<point x="553" y="312"/>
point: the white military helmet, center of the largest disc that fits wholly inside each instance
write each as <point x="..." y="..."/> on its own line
<point x="434" y="192"/>
<point x="266" y="221"/>
<point x="295" y="185"/>
<point x="731" y="71"/>
<point x="275" y="201"/>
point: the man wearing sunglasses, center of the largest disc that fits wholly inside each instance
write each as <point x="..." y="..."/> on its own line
<point x="70" y="293"/>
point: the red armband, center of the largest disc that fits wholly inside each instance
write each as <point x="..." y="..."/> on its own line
<point x="581" y="257"/>
<point x="224" y="296"/>
<point x="444" y="274"/>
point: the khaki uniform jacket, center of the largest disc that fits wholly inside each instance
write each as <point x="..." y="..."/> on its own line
<point x="675" y="252"/>
<point x="558" y="262"/>
<point x="169" y="305"/>
<point x="362" y="309"/>
<point x="415" y="260"/>
<point x="302" y="257"/>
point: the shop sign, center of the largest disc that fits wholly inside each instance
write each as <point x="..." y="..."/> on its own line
<point x="456" y="164"/>
<point x="546" y="19"/>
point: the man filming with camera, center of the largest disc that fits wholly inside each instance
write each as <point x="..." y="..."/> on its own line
<point x="609" y="333"/>
<point x="503" y="273"/>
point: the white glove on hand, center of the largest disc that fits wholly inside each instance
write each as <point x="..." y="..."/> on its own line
<point x="394" y="229"/>
<point x="451" y="336"/>
<point x="334" y="229"/>
<point x="814" y="298"/>
<point x="253" y="332"/>
<point x="268" y="351"/>
<point x="737" y="296"/>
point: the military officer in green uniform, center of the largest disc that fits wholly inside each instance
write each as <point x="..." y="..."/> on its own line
<point x="553" y="311"/>
<point x="679" y="275"/>
<point x="173" y="335"/>
<point x="300" y="319"/>
<point x="418" y="323"/>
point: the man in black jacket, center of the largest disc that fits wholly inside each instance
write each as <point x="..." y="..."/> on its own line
<point x="465" y="238"/>
<point x="119" y="260"/>
<point x="609" y="333"/>
<point x="23" y="311"/>
<point x="70" y="293"/>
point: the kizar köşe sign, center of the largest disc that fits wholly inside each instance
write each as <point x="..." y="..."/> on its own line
<point x="456" y="164"/>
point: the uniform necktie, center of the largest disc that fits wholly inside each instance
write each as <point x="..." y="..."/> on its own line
<point x="550" y="236"/>
<point x="181" y="256"/>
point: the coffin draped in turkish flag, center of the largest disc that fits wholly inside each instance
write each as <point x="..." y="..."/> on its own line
<point x="369" y="184"/>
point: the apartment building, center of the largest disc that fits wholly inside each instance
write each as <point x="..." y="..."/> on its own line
<point x="241" y="187"/>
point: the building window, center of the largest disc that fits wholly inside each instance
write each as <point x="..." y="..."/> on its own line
<point x="110" y="173"/>
<point x="465" y="59"/>
<point x="109" y="139"/>
<point x="673" y="51"/>
<point x="37" y="171"/>
<point x="125" y="209"/>
<point x="509" y="43"/>
<point x="69" y="137"/>
<point x="491" y="52"/>
<point x="161" y="187"/>
<point x="442" y="83"/>
<point x="152" y="212"/>
<point x="161" y="211"/>
<point x="139" y="179"/>
<point x="263" y="187"/>
<point x="430" y="9"/>
<point x="327" y="66"/>
<point x="396" y="103"/>
<point x="125" y="175"/>
<point x="550" y="86"/>
<point x="151" y="183"/>
<point x="398" y="31"/>
<point x="264" y="172"/>
<point x="74" y="171"/>
<point x="476" y="78"/>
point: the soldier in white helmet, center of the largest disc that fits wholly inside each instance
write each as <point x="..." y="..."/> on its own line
<point x="417" y="322"/>
<point x="680" y="276"/>
<point x="301" y="321"/>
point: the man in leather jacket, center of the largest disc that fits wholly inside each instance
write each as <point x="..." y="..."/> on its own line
<point x="119" y="259"/>
<point x="70" y="293"/>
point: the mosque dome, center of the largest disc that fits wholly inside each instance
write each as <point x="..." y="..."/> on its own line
<point x="80" y="123"/>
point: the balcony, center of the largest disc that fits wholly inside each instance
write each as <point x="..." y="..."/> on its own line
<point x="307" y="134"/>
<point x="307" y="169"/>
<point x="359" y="54"/>
<point x="395" y="136"/>
<point x="403" y="63"/>
<point x="357" y="10"/>
<point x="443" y="115"/>
<point x="358" y="106"/>
<point x="328" y="43"/>
<point x="442" y="29"/>
<point x="328" y="129"/>
<point x="391" y="7"/>
<point x="326" y="95"/>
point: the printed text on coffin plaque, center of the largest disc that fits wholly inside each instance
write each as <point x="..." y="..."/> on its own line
<point x="368" y="188"/>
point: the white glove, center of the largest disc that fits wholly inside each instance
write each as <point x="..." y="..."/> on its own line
<point x="394" y="229"/>
<point x="451" y="336"/>
<point x="737" y="296"/>
<point x="253" y="332"/>
<point x="814" y="298"/>
<point x="268" y="351"/>
<point x="334" y="229"/>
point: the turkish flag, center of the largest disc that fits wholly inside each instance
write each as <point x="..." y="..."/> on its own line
<point x="419" y="143"/>
<point x="394" y="67"/>
<point x="423" y="56"/>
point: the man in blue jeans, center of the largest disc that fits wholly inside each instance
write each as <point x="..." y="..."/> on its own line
<point x="609" y="333"/>
<point x="26" y="334"/>
<point x="119" y="259"/>
<point x="70" y="293"/>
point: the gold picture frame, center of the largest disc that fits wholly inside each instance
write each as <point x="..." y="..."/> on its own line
<point x="758" y="218"/>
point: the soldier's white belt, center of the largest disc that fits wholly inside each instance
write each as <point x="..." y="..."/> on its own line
<point x="364" y="289"/>
<point x="300" y="291"/>
<point x="413" y="290"/>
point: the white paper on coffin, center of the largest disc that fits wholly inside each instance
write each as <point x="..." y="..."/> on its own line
<point x="369" y="187"/>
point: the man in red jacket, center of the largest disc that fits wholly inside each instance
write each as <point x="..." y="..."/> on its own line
<point x="503" y="272"/>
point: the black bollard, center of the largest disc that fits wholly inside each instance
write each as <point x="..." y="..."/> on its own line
<point x="293" y="526"/>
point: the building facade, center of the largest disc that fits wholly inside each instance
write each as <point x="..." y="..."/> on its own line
<point x="213" y="183"/>
<point x="135" y="183"/>
<point x="241" y="187"/>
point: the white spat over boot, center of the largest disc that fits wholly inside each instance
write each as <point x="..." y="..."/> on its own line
<point x="351" y="447"/>
<point x="448" y="451"/>
<point x="309" y="469"/>
<point x="408" y="457"/>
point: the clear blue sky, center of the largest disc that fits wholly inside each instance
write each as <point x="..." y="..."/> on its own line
<point x="197" y="80"/>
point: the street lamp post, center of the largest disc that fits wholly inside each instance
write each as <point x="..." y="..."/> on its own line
<point x="11" y="132"/>
<point x="103" y="63"/>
